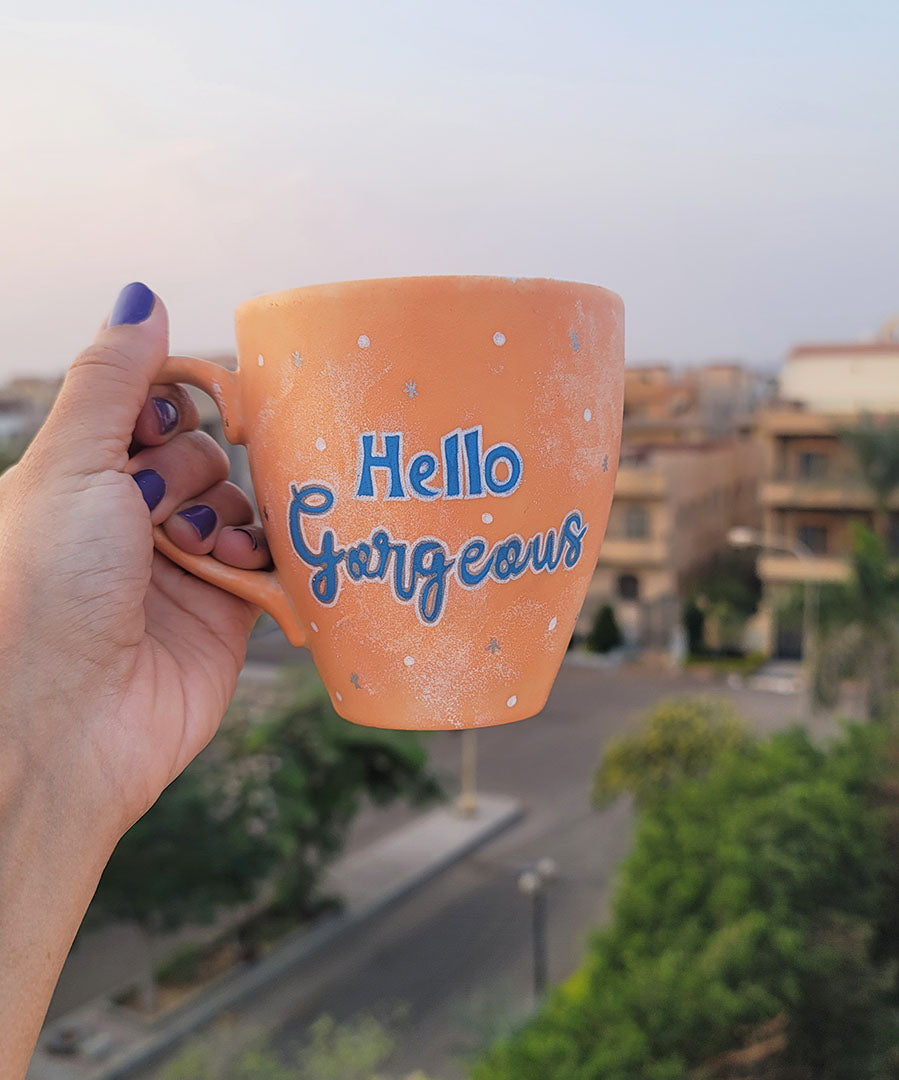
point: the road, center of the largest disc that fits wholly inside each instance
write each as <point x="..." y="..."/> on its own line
<point x="447" y="968"/>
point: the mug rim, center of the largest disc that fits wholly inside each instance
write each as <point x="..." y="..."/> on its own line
<point x="284" y="296"/>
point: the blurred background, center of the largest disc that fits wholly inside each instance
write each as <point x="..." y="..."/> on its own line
<point x="688" y="865"/>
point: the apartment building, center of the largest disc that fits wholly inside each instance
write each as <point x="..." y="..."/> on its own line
<point x="674" y="504"/>
<point x="812" y="489"/>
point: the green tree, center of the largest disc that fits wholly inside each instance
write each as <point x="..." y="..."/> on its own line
<point x="267" y="800"/>
<point x="355" y="1050"/>
<point x="875" y="444"/>
<point x="680" y="738"/>
<point x="751" y="897"/>
<point x="605" y="634"/>
<point x="324" y="768"/>
<point x="858" y="628"/>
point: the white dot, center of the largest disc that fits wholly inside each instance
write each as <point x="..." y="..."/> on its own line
<point x="553" y="623"/>
<point x="409" y="661"/>
<point x="338" y="695"/>
<point x="513" y="700"/>
<point x="314" y="627"/>
<point x="363" y="341"/>
<point x="588" y="415"/>
<point x="260" y="359"/>
<point x="486" y="518"/>
<point x="320" y="443"/>
<point x="499" y="338"/>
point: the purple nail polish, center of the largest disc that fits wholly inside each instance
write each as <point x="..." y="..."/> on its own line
<point x="151" y="485"/>
<point x="167" y="413"/>
<point x="203" y="519"/>
<point x="134" y="304"/>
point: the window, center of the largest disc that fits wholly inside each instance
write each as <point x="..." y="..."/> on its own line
<point x="628" y="587"/>
<point x="813" y="465"/>
<point x="813" y="537"/>
<point x="636" y="523"/>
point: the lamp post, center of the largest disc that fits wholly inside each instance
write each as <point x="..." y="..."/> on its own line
<point x="533" y="883"/>
<point x="742" y="537"/>
<point x="467" y="803"/>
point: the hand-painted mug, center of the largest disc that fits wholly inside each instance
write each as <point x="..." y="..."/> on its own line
<point x="433" y="459"/>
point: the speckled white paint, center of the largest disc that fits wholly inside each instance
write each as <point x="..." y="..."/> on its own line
<point x="486" y="518"/>
<point x="314" y="626"/>
<point x="409" y="661"/>
<point x="363" y="341"/>
<point x="499" y="338"/>
<point x="588" y="415"/>
<point x="320" y="443"/>
<point x="553" y="623"/>
<point x="260" y="359"/>
<point x="513" y="700"/>
<point x="338" y="695"/>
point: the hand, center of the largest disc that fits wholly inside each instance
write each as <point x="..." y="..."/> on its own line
<point x="116" y="665"/>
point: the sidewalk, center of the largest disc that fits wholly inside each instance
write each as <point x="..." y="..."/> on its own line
<point x="115" y="1043"/>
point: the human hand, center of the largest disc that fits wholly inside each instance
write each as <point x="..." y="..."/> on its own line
<point x="116" y="665"/>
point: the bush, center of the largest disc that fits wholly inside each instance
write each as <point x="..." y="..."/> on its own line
<point x="752" y="896"/>
<point x="604" y="634"/>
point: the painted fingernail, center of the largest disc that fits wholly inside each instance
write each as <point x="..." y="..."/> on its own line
<point x="134" y="304"/>
<point x="167" y="413"/>
<point x="253" y="540"/>
<point x="201" y="517"/>
<point x="151" y="485"/>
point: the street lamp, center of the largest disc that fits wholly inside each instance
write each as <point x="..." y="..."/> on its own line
<point x="533" y="883"/>
<point x="741" y="536"/>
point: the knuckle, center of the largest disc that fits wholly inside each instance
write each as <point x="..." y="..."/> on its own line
<point x="100" y="354"/>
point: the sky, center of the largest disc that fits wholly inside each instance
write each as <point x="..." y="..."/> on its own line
<point x="730" y="169"/>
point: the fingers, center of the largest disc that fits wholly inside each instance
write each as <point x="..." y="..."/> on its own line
<point x="168" y="411"/>
<point x="171" y="475"/>
<point x="218" y="522"/>
<point x="91" y="425"/>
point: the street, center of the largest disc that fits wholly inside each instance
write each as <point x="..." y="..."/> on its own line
<point x="447" y="968"/>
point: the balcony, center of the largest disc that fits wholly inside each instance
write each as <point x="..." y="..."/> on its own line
<point x="788" y="569"/>
<point x="636" y="482"/>
<point x="622" y="551"/>
<point x="848" y="492"/>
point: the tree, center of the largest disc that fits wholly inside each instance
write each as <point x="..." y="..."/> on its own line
<point x="604" y="634"/>
<point x="858" y="628"/>
<point x="324" y="767"/>
<point x="746" y="911"/>
<point x="680" y="738"/>
<point x="267" y="800"/>
<point x="694" y="625"/>
<point x="355" y="1050"/>
<point x="875" y="445"/>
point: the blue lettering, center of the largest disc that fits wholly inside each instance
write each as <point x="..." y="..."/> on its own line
<point x="549" y="558"/>
<point x="390" y="459"/>
<point x="421" y="468"/>
<point x="507" y="453"/>
<point x="313" y="501"/>
<point x="450" y="446"/>
<point x="573" y="532"/>
<point x="473" y="551"/>
<point x="435" y="571"/>
<point x="473" y="460"/>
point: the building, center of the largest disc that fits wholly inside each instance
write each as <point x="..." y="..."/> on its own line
<point x="672" y="510"/>
<point x="812" y="489"/>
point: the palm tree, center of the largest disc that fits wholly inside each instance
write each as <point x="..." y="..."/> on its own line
<point x="858" y="627"/>
<point x="875" y="445"/>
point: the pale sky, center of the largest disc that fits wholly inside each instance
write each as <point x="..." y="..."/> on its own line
<point x="729" y="168"/>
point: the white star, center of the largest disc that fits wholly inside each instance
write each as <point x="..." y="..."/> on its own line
<point x="295" y="356"/>
<point x="411" y="389"/>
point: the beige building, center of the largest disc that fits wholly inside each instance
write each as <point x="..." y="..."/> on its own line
<point x="812" y="488"/>
<point x="671" y="513"/>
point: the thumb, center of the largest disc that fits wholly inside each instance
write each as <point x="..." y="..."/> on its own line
<point x="91" y="424"/>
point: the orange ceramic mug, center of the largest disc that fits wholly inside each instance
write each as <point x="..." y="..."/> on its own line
<point x="434" y="460"/>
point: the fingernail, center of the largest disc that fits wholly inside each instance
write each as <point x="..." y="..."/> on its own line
<point x="151" y="485"/>
<point x="253" y="539"/>
<point x="201" y="517"/>
<point x="167" y="413"/>
<point x="134" y="304"/>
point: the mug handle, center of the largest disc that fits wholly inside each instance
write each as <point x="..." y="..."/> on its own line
<point x="261" y="587"/>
